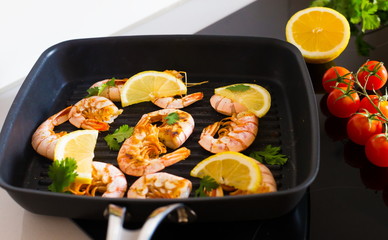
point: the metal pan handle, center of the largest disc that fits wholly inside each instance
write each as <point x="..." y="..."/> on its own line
<point x="177" y="212"/>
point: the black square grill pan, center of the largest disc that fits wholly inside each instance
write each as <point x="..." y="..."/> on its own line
<point x="64" y="72"/>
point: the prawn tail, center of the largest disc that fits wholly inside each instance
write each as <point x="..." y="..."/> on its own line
<point x="192" y="98"/>
<point x="176" y="156"/>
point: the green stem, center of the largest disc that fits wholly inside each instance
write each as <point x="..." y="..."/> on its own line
<point x="365" y="94"/>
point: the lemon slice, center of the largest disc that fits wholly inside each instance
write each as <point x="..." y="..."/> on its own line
<point x="79" y="145"/>
<point x="320" y="33"/>
<point x="231" y="169"/>
<point x="254" y="97"/>
<point x="147" y="85"/>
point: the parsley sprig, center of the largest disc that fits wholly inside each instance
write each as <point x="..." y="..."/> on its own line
<point x="206" y="184"/>
<point x="362" y="15"/>
<point x="96" y="91"/>
<point x="172" y="118"/>
<point x="62" y="173"/>
<point x="270" y="155"/>
<point x="118" y="136"/>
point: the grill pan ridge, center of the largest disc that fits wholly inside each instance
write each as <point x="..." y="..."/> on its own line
<point x="280" y="127"/>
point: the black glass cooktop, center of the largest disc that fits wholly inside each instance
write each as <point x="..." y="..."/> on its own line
<point x="348" y="199"/>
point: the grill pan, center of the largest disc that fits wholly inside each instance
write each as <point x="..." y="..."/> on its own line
<point x="62" y="74"/>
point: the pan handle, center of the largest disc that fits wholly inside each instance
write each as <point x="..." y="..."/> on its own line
<point x="177" y="212"/>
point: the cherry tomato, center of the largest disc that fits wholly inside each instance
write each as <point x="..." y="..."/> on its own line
<point x="383" y="106"/>
<point x="343" y="102"/>
<point x="372" y="75"/>
<point x="366" y="104"/>
<point x="361" y="127"/>
<point x="337" y="77"/>
<point x="377" y="101"/>
<point x="376" y="149"/>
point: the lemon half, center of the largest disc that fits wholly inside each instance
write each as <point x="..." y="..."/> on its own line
<point x="320" y="33"/>
<point x="79" y="145"/>
<point x="231" y="169"/>
<point x="254" y="97"/>
<point x="147" y="85"/>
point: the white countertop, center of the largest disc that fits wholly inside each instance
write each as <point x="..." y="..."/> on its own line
<point x="32" y="26"/>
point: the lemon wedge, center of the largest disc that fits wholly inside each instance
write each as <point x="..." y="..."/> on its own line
<point x="320" y="33"/>
<point x="79" y="145"/>
<point x="254" y="97"/>
<point x="147" y="85"/>
<point x="232" y="169"/>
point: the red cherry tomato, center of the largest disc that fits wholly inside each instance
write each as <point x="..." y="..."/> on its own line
<point x="343" y="102"/>
<point x="376" y="149"/>
<point x="361" y="127"/>
<point x="366" y="104"/>
<point x="337" y="77"/>
<point x="372" y="75"/>
<point x="377" y="101"/>
<point x="383" y="106"/>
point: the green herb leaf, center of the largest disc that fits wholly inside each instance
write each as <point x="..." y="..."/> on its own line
<point x="118" y="136"/>
<point x="111" y="82"/>
<point x="270" y="155"/>
<point x="238" y="88"/>
<point x="382" y="5"/>
<point x="92" y="92"/>
<point x="62" y="174"/>
<point x="206" y="184"/>
<point x="96" y="91"/>
<point x="172" y="118"/>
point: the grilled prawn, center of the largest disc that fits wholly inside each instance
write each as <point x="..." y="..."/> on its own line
<point x="141" y="153"/>
<point x="107" y="180"/>
<point x="160" y="185"/>
<point x="175" y="128"/>
<point x="235" y="133"/>
<point x="94" y="112"/>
